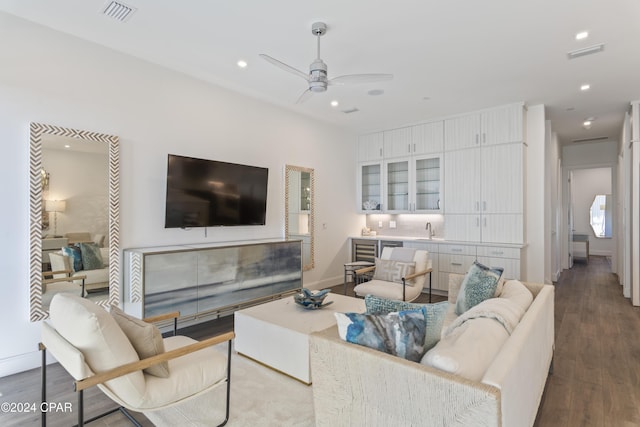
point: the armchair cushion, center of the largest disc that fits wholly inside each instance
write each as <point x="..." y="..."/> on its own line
<point x="90" y="329"/>
<point x="479" y="284"/>
<point x="91" y="256"/>
<point x="393" y="271"/>
<point x="145" y="338"/>
<point x="399" y="333"/>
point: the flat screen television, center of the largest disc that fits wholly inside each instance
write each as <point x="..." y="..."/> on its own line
<point x="209" y="193"/>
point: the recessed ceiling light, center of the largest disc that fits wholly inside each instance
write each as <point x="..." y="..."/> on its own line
<point x="375" y="92"/>
<point x="334" y="103"/>
<point x="242" y="64"/>
<point x="586" y="124"/>
<point x="67" y="146"/>
<point x="585" y="87"/>
<point x="582" y="35"/>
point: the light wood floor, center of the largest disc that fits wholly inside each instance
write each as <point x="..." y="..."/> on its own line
<point x="596" y="378"/>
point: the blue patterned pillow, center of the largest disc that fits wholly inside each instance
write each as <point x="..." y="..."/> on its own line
<point x="91" y="256"/>
<point x="434" y="314"/>
<point x="400" y="333"/>
<point x="478" y="284"/>
<point x="75" y="256"/>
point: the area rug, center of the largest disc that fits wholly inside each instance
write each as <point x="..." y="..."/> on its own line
<point x="260" y="396"/>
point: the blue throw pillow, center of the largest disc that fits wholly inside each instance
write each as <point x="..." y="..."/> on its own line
<point x="91" y="256"/>
<point x="401" y="333"/>
<point x="434" y="314"/>
<point x="479" y="284"/>
<point x="75" y="256"/>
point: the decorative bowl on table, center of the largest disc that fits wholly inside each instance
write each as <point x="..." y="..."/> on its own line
<point x="311" y="300"/>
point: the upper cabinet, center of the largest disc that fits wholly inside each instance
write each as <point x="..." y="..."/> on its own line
<point x="369" y="187"/>
<point x="370" y="147"/>
<point x="426" y="138"/>
<point x="413" y="184"/>
<point x="496" y="126"/>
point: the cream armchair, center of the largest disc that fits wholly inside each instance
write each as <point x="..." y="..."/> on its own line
<point x="92" y="346"/>
<point x="399" y="274"/>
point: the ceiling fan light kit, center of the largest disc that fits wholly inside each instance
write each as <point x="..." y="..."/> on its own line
<point x="318" y="79"/>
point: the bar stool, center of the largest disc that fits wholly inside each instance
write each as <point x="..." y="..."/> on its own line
<point x="351" y="267"/>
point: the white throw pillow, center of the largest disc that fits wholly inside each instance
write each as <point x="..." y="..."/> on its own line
<point x="469" y="350"/>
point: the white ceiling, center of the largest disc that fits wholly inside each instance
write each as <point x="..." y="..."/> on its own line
<point x="447" y="57"/>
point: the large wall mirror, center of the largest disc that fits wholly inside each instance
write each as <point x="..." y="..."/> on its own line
<point x="74" y="216"/>
<point x="299" y="210"/>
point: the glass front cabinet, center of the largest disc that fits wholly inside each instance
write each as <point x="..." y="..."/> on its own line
<point x="413" y="185"/>
<point x="370" y="187"/>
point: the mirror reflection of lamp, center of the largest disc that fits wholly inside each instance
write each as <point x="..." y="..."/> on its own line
<point x="55" y="206"/>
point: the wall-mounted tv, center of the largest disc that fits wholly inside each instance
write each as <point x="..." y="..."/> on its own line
<point x="209" y="193"/>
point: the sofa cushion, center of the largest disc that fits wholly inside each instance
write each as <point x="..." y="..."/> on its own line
<point x="75" y="256"/>
<point x="434" y="314"/>
<point x="516" y="292"/>
<point x="90" y="329"/>
<point x="399" y="333"/>
<point x="393" y="271"/>
<point x="479" y="283"/>
<point x="91" y="256"/>
<point x="145" y="338"/>
<point x="469" y="349"/>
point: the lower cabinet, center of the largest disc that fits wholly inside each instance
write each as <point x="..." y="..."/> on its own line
<point x="203" y="280"/>
<point x="505" y="257"/>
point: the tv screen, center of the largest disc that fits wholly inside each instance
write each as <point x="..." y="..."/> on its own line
<point x="207" y="193"/>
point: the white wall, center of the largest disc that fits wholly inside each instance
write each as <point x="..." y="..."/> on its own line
<point x="53" y="78"/>
<point x="536" y="228"/>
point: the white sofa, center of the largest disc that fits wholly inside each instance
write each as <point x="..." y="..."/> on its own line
<point x="357" y="386"/>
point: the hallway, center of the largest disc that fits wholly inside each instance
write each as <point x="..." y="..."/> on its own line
<point x="596" y="375"/>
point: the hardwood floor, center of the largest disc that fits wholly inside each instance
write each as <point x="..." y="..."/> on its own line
<point x="595" y="382"/>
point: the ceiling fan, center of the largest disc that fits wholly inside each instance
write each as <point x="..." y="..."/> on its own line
<point x="317" y="76"/>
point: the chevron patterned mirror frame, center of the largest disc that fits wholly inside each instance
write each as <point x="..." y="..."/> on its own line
<point x="37" y="131"/>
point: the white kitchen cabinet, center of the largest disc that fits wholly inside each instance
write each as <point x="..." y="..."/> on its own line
<point x="413" y="184"/>
<point x="426" y="138"/>
<point x="432" y="248"/>
<point x="483" y="190"/>
<point x="370" y="147"/>
<point x="397" y="143"/>
<point x="495" y="126"/>
<point x="506" y="257"/>
<point x="369" y="187"/>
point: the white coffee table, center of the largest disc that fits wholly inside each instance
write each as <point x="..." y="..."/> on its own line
<point x="277" y="333"/>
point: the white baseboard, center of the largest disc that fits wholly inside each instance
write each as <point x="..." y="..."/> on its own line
<point x="20" y="363"/>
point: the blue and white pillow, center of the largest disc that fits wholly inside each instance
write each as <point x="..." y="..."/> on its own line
<point x="91" y="256"/>
<point x="401" y="333"/>
<point x="75" y="256"/>
<point x="479" y="284"/>
<point x="434" y="314"/>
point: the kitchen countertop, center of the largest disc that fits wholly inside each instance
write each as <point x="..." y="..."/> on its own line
<point x="437" y="240"/>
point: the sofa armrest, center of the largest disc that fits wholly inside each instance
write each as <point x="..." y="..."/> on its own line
<point x="521" y="367"/>
<point x="357" y="386"/>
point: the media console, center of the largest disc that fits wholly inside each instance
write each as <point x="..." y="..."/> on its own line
<point x="208" y="280"/>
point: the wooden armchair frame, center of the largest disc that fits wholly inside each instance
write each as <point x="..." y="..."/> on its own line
<point x="68" y="278"/>
<point x="80" y="385"/>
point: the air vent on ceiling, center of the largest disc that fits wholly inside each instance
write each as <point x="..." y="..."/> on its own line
<point x="585" y="51"/>
<point x="118" y="11"/>
<point x="352" y="110"/>
<point x="596" y="138"/>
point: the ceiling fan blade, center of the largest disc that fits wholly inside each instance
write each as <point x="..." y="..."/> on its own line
<point x="360" y="78"/>
<point x="284" y="66"/>
<point x="304" y="96"/>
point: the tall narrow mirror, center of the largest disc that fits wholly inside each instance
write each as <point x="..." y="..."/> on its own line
<point x="74" y="217"/>
<point x="299" y="210"/>
<point x="600" y="216"/>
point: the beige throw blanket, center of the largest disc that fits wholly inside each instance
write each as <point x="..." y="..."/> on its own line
<point x="503" y="310"/>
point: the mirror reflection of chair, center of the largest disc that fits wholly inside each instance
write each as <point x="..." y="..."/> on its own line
<point x="97" y="349"/>
<point x="399" y="274"/>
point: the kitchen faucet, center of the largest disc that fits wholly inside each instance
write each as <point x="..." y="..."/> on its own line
<point x="429" y="229"/>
